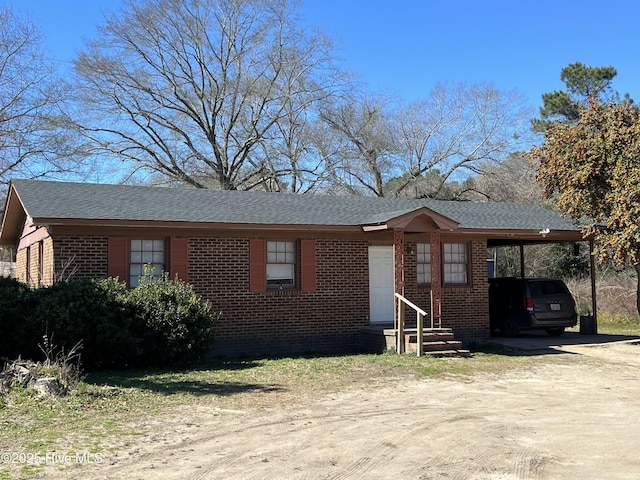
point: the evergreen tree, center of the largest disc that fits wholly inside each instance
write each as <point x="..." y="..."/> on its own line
<point x="582" y="82"/>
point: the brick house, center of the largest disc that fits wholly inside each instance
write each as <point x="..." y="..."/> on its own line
<point x="290" y="273"/>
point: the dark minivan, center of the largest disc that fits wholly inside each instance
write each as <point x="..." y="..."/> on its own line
<point x="517" y="304"/>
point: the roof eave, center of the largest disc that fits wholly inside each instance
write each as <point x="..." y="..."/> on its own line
<point x="77" y="222"/>
<point x="517" y="236"/>
<point x="12" y="219"/>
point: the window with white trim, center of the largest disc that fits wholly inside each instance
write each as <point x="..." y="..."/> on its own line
<point x="143" y="253"/>
<point x="455" y="263"/>
<point x="424" y="263"/>
<point x="281" y="264"/>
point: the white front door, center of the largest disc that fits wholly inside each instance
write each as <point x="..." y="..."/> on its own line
<point x="381" y="284"/>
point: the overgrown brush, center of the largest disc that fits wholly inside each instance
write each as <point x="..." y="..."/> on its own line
<point x="616" y="295"/>
<point x="63" y="365"/>
<point x="161" y="322"/>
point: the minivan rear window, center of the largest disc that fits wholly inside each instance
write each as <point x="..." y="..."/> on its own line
<point x="539" y="289"/>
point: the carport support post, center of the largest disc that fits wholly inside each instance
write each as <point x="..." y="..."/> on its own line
<point x="594" y="305"/>
<point x="522" y="260"/>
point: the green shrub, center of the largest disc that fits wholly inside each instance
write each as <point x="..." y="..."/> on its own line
<point x="94" y="312"/>
<point x="161" y="322"/>
<point x="175" y="325"/>
<point x="16" y="324"/>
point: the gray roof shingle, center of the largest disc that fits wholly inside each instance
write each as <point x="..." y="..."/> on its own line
<point x="66" y="200"/>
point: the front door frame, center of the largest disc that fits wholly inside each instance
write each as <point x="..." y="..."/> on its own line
<point x="389" y="281"/>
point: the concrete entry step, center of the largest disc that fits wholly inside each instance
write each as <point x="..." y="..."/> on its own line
<point x="435" y="342"/>
<point x="448" y="353"/>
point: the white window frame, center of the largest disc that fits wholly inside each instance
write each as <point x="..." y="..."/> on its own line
<point x="423" y="258"/>
<point x="143" y="252"/>
<point x="281" y="264"/>
<point x="455" y="264"/>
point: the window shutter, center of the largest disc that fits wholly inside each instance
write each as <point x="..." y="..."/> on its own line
<point x="257" y="265"/>
<point x="308" y="265"/>
<point x="117" y="258"/>
<point x="179" y="259"/>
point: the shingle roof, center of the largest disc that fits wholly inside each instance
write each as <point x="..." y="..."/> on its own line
<point x="65" y="200"/>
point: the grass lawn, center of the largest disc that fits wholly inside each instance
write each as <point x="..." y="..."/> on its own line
<point x="616" y="325"/>
<point x="109" y="410"/>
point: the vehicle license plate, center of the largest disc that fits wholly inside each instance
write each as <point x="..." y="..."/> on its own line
<point x="555" y="306"/>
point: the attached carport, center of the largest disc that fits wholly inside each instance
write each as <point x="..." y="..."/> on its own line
<point x="547" y="235"/>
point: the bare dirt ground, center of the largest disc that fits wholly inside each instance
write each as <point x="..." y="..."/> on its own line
<point x="573" y="415"/>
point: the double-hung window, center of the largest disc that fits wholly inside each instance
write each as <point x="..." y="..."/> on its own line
<point x="127" y="259"/>
<point x="281" y="264"/>
<point x="424" y="263"/>
<point x="145" y="254"/>
<point x="455" y="263"/>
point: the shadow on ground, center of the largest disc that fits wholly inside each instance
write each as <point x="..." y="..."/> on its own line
<point x="193" y="387"/>
<point x="540" y="343"/>
<point x="172" y="381"/>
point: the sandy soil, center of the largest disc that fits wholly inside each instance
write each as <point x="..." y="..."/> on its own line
<point x="573" y="416"/>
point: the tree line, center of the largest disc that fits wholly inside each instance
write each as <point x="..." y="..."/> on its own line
<point x="237" y="94"/>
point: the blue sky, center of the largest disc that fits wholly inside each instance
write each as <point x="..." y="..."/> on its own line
<point x="407" y="46"/>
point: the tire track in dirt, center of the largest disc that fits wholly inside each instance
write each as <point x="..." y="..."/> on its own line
<point x="530" y="463"/>
<point x="424" y="422"/>
<point x="378" y="449"/>
<point x="567" y="417"/>
<point x="386" y="449"/>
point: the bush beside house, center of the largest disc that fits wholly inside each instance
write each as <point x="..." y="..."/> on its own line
<point x="171" y="323"/>
<point x="160" y="323"/>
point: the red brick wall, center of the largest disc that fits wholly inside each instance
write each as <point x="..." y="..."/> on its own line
<point x="328" y="318"/>
<point x="21" y="265"/>
<point x="40" y="271"/>
<point x="80" y="256"/>
<point x="48" y="262"/>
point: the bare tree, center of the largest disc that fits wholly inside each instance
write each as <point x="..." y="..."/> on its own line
<point x="458" y="130"/>
<point x="512" y="180"/>
<point x="428" y="148"/>
<point x="291" y="163"/>
<point x="363" y="142"/>
<point x="33" y="138"/>
<point x="201" y="91"/>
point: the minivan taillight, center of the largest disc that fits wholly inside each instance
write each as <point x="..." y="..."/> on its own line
<point x="528" y="304"/>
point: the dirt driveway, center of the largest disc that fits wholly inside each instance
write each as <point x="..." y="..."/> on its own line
<point x="575" y="414"/>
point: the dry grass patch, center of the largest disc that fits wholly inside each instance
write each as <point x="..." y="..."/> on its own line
<point x="110" y="410"/>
